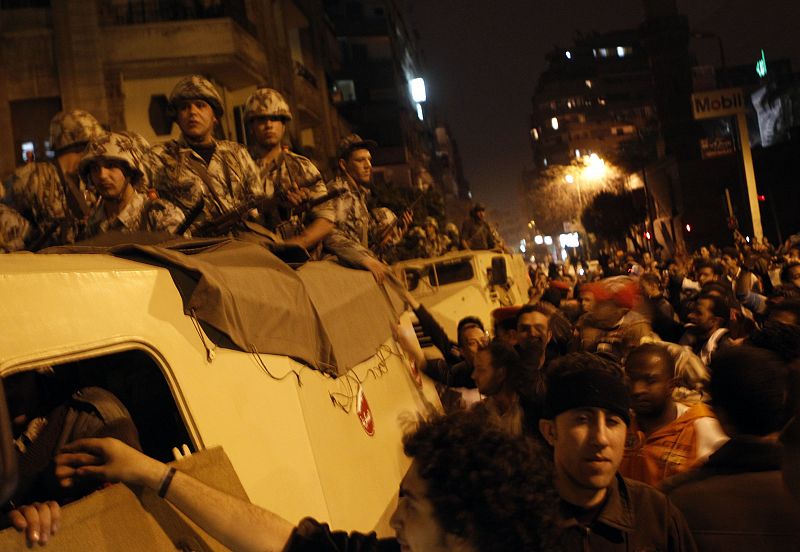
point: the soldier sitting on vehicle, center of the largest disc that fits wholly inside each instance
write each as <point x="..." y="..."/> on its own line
<point x="292" y="178"/>
<point x="110" y="166"/>
<point x="205" y="177"/>
<point x="350" y="239"/>
<point x="50" y="195"/>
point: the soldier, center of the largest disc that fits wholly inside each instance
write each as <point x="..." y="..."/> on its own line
<point x="111" y="166"/>
<point x="452" y="237"/>
<point x="293" y="178"/>
<point x="50" y="194"/>
<point x="14" y="229"/>
<point x="434" y="242"/>
<point x="387" y="235"/>
<point x="203" y="176"/>
<point x="476" y="232"/>
<point x="350" y="238"/>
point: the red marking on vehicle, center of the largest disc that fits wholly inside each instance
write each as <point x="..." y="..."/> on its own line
<point x="364" y="413"/>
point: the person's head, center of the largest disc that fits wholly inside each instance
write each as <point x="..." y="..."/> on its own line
<point x="587" y="299"/>
<point x="533" y="323"/>
<point x="585" y="419"/>
<point x="650" y="284"/>
<point x="708" y="271"/>
<point x="504" y="324"/>
<point x="109" y="165"/>
<point x="709" y="313"/>
<point x="785" y="312"/>
<point x="749" y="390"/>
<point x="730" y="259"/>
<point x="431" y="227"/>
<point x="704" y="252"/>
<point x="790" y="274"/>
<point x="355" y="158"/>
<point x="478" y="212"/>
<point x="651" y="377"/>
<point x="197" y="108"/>
<point x="267" y="114"/>
<point x="497" y="367"/>
<point x="471" y="337"/>
<point x="70" y="131"/>
<point x="472" y="487"/>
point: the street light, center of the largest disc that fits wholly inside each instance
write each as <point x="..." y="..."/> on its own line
<point x="569" y="179"/>
<point x="595" y="168"/>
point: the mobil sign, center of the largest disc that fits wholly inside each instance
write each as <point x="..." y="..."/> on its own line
<point x="717" y="103"/>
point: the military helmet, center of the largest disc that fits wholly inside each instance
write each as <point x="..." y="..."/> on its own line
<point x="73" y="127"/>
<point x="266" y="102"/>
<point x="417" y="233"/>
<point x="384" y="219"/>
<point x="451" y="230"/>
<point x="195" y="87"/>
<point x="430" y="221"/>
<point x="113" y="147"/>
<point x="354" y="142"/>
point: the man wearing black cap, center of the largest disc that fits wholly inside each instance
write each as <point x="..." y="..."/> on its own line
<point x="585" y="421"/>
<point x="475" y="232"/>
<point x="355" y="229"/>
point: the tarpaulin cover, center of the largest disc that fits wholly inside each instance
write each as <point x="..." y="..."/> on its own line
<point x="325" y="315"/>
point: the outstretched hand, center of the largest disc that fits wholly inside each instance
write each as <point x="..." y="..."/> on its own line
<point x="106" y="460"/>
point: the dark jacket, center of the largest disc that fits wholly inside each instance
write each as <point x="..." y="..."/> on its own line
<point x="310" y="535"/>
<point x="737" y="501"/>
<point x="635" y="517"/>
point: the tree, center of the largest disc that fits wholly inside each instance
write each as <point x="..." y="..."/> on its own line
<point x="615" y="216"/>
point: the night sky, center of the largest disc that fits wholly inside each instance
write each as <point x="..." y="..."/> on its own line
<point x="482" y="61"/>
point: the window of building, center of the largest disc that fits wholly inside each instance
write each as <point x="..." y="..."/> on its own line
<point x="588" y="83"/>
<point x="623" y="51"/>
<point x="535" y="133"/>
<point x="603" y="52"/>
<point x="568" y="54"/>
<point x="346" y="90"/>
<point x="554" y="123"/>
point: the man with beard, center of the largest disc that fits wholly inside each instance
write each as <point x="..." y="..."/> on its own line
<point x="585" y="422"/>
<point x="665" y="437"/>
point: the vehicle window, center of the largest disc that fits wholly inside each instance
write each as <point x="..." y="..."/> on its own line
<point x="452" y="271"/>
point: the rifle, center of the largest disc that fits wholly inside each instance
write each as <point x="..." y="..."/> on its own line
<point x="384" y="236"/>
<point x="237" y="217"/>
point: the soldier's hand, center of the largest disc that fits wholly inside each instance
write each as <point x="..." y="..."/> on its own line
<point x="377" y="268"/>
<point x="297" y="196"/>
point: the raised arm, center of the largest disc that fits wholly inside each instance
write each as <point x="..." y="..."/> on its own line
<point x="239" y="525"/>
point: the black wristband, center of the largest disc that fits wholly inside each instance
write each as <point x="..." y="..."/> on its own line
<point x="164" y="487"/>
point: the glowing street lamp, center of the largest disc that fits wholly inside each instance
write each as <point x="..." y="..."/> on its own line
<point x="595" y="168"/>
<point x="569" y="179"/>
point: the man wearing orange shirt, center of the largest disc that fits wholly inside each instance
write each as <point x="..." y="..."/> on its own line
<point x="665" y="437"/>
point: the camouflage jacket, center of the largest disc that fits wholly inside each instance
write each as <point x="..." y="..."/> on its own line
<point x="291" y="172"/>
<point x="37" y="192"/>
<point x="436" y="246"/>
<point x="14" y="230"/>
<point x="141" y="214"/>
<point x="231" y="174"/>
<point x="478" y="234"/>
<point x="354" y="226"/>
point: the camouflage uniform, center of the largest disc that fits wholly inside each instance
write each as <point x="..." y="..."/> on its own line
<point x="38" y="191"/>
<point x="140" y="213"/>
<point x="354" y="229"/>
<point x="435" y="245"/>
<point x="13" y="230"/>
<point x="288" y="173"/>
<point x="181" y="176"/>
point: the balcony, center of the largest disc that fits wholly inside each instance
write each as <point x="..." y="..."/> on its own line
<point x="135" y="12"/>
<point x="218" y="47"/>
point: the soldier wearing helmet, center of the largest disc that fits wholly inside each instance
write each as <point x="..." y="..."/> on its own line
<point x="452" y="237"/>
<point x="112" y="167"/>
<point x="198" y="173"/>
<point x="293" y="178"/>
<point x="50" y="195"/>
<point x="434" y="242"/>
<point x="355" y="238"/>
<point x="476" y="232"/>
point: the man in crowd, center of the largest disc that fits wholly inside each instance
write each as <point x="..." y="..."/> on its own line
<point x="110" y="167"/>
<point x="291" y="177"/>
<point x="585" y="422"/>
<point x="665" y="437"/>
<point x="203" y="176"/>
<point x="737" y="500"/>
<point x="470" y="488"/>
<point x="707" y="330"/>
<point x="50" y="195"/>
<point x="355" y="229"/>
<point x="534" y="335"/>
